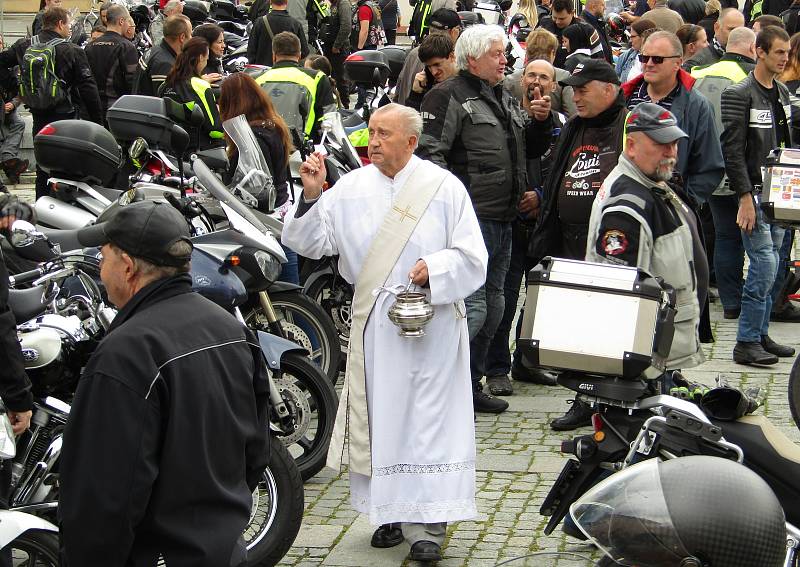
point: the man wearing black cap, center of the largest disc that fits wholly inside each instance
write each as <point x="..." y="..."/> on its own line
<point x="588" y="150"/>
<point x="443" y="21"/>
<point x="639" y="220"/>
<point x="167" y="436"/>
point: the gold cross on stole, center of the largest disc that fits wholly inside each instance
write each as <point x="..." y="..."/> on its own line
<point x="404" y="213"/>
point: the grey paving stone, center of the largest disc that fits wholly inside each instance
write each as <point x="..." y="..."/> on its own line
<point x="317" y="535"/>
<point x="500" y="462"/>
<point x="354" y="550"/>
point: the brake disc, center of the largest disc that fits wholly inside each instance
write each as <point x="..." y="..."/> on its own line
<point x="297" y="403"/>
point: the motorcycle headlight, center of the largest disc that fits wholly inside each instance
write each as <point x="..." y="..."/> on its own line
<point x="268" y="264"/>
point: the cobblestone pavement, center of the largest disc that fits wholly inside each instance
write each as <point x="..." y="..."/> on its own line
<point x="518" y="461"/>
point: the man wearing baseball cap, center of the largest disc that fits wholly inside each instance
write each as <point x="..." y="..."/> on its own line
<point x="442" y="21"/>
<point x="589" y="146"/>
<point x="167" y="435"/>
<point x="639" y="220"/>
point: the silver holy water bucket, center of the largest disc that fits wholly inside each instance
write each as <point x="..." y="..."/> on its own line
<point x="411" y="311"/>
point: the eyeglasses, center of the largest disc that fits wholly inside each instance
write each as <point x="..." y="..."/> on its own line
<point x="657" y="59"/>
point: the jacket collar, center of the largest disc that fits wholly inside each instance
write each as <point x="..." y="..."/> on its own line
<point x="492" y="95"/>
<point x="168" y="48"/>
<point x="684" y="78"/>
<point x="629" y="169"/>
<point x="285" y="63"/>
<point x="736" y="58"/>
<point x="153" y="292"/>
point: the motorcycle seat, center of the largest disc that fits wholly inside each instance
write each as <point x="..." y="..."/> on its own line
<point x="772" y="455"/>
<point x="26" y="304"/>
<point x="67" y="239"/>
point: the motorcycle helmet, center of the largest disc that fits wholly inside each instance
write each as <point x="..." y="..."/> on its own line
<point x="615" y="26"/>
<point x="695" y="511"/>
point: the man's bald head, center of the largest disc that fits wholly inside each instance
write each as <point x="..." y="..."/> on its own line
<point x="729" y="19"/>
<point x="742" y="41"/>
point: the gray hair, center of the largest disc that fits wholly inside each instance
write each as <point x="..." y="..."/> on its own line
<point x="152" y="272"/>
<point x="475" y="42"/>
<point x="170" y="6"/>
<point x="740" y="38"/>
<point x="408" y="116"/>
<point x="677" y="46"/>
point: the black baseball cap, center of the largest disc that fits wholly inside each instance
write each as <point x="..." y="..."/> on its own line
<point x="659" y="124"/>
<point x="591" y="70"/>
<point x="146" y="229"/>
<point x="444" y="19"/>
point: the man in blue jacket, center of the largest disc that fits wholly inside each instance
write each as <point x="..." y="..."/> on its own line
<point x="700" y="164"/>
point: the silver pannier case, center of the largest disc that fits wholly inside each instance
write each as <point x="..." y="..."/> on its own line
<point x="780" y="193"/>
<point x="596" y="319"/>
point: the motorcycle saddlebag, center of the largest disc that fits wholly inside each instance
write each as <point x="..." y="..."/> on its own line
<point x="596" y="318"/>
<point x="780" y="195"/>
<point x="78" y="150"/>
<point x="367" y="66"/>
<point x="137" y="116"/>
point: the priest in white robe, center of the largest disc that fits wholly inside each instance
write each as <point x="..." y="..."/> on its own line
<point x="406" y="408"/>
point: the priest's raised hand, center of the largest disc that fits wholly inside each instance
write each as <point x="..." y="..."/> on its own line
<point x="313" y="175"/>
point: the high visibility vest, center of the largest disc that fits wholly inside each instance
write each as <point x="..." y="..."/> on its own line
<point x="727" y="69"/>
<point x="294" y="94"/>
<point x="200" y="87"/>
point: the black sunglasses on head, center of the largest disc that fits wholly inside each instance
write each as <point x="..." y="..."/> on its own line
<point x="657" y="59"/>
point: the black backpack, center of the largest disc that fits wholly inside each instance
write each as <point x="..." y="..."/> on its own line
<point x="39" y="86"/>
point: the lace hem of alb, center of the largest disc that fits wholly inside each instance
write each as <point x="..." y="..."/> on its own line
<point x="463" y="508"/>
<point x="437" y="468"/>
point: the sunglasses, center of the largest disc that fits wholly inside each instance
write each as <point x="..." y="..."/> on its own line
<point x="657" y="59"/>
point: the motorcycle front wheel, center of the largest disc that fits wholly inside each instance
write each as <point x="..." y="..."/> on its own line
<point x="277" y="510"/>
<point x="312" y="403"/>
<point x="305" y="323"/>
<point x="35" y="548"/>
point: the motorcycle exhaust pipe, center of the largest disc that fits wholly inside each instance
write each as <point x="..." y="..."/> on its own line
<point x="56" y="214"/>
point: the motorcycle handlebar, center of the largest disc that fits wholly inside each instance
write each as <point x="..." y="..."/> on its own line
<point x="26" y="277"/>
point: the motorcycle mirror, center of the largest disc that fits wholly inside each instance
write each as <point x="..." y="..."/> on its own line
<point x="138" y="148"/>
<point x="179" y="139"/>
<point x="376" y="78"/>
<point x="24" y="234"/>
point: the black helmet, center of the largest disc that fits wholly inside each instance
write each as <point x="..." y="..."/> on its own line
<point x="693" y="511"/>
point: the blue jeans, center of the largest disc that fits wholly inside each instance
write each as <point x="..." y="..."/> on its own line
<point x="485" y="307"/>
<point x="728" y="250"/>
<point x="289" y="271"/>
<point x="498" y="357"/>
<point x="762" y="246"/>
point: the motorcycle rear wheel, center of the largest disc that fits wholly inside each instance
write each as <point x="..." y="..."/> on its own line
<point x="35" y="548"/>
<point x="337" y="302"/>
<point x="312" y="402"/>
<point x="277" y="510"/>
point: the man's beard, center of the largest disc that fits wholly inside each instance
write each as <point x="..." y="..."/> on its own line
<point x="663" y="170"/>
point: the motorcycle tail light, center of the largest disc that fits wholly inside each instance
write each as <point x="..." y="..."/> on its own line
<point x="597" y="422"/>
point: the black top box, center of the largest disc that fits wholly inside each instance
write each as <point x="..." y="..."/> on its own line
<point x="136" y="116"/>
<point x="361" y="66"/>
<point x="78" y="150"/>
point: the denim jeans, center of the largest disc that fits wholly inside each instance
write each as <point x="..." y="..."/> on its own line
<point x="728" y="250"/>
<point x="485" y="307"/>
<point x="762" y="246"/>
<point x="782" y="273"/>
<point x="498" y="358"/>
<point x="11" y="129"/>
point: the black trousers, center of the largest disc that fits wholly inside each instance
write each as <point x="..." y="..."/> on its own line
<point x="337" y="71"/>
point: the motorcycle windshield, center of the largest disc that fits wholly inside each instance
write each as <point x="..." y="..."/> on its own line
<point x="252" y="173"/>
<point x="627" y="517"/>
<point x="333" y="130"/>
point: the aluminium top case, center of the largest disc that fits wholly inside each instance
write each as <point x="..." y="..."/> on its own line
<point x="599" y="319"/>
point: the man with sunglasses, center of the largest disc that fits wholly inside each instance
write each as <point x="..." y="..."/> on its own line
<point x="700" y="165"/>
<point x="757" y="116"/>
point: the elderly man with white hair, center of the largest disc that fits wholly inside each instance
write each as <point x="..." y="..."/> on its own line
<point x="473" y="127"/>
<point x="405" y="408"/>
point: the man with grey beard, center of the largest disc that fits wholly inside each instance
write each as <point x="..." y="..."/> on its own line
<point x="638" y="219"/>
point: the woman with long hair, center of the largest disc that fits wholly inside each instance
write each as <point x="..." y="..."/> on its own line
<point x="242" y="95"/>
<point x="213" y="34"/>
<point x="791" y="74"/>
<point x="693" y="39"/>
<point x="185" y="85"/>
<point x="322" y="63"/>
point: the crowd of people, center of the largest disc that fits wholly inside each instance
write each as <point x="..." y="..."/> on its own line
<point x="651" y="157"/>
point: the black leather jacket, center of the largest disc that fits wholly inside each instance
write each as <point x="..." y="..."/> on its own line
<point x="749" y="130"/>
<point x="167" y="436"/>
<point x="480" y="134"/>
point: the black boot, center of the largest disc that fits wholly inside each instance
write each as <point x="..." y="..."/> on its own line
<point x="772" y="347"/>
<point x="752" y="353"/>
<point x="387" y="535"/>
<point x="579" y="415"/>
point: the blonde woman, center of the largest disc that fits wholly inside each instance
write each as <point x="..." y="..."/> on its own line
<point x="527" y="16"/>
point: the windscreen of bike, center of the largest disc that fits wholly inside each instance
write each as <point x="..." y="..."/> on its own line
<point x="252" y="173"/>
